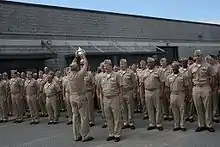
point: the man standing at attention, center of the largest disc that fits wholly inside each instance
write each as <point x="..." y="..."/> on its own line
<point x="200" y="73"/>
<point x="128" y="89"/>
<point x="78" y="100"/>
<point x="153" y="84"/>
<point x="111" y="91"/>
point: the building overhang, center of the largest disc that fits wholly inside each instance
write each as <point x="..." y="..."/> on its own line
<point x="25" y="56"/>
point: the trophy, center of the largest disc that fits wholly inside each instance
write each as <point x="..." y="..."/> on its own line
<point x="80" y="52"/>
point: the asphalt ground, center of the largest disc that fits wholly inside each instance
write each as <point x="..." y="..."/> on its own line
<point x="60" y="135"/>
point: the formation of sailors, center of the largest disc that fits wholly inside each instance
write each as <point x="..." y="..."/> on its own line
<point x="179" y="91"/>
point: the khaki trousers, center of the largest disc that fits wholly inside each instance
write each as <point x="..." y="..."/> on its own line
<point x="32" y="104"/>
<point x="90" y="106"/>
<point x="143" y="102"/>
<point x="154" y="107"/>
<point x="166" y="103"/>
<point x="9" y="105"/>
<point x="215" y="97"/>
<point x="68" y="106"/>
<point x="80" y="116"/>
<point x="113" y="115"/>
<point x="203" y="103"/>
<point x="51" y="105"/>
<point x="177" y="103"/>
<point x="190" y="109"/>
<point x="128" y="107"/>
<point x="3" y="108"/>
<point x="17" y="104"/>
<point x="42" y="103"/>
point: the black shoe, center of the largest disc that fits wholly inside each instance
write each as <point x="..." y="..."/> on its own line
<point x="187" y="119"/>
<point x="104" y="126"/>
<point x="91" y="124"/>
<point x="191" y="120"/>
<point x="176" y="129"/>
<point x="69" y="123"/>
<point x="117" y="139"/>
<point x="183" y="129"/>
<point x="79" y="139"/>
<point x="145" y="117"/>
<point x="88" y="139"/>
<point x="67" y="116"/>
<point x="1" y="121"/>
<point x="36" y="122"/>
<point x="55" y="122"/>
<point x="15" y="121"/>
<point x="200" y="129"/>
<point x="132" y="127"/>
<point x="5" y="120"/>
<point x="31" y="123"/>
<point x="151" y="128"/>
<point x="125" y="126"/>
<point x="170" y="119"/>
<point x="50" y="122"/>
<point x="211" y="129"/>
<point x="45" y="115"/>
<point x="20" y="121"/>
<point x="41" y="115"/>
<point x="216" y="120"/>
<point x="166" y="118"/>
<point x="100" y="111"/>
<point x="110" y="138"/>
<point x="160" y="128"/>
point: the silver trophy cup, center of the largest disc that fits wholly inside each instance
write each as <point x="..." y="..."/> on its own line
<point x="80" y="52"/>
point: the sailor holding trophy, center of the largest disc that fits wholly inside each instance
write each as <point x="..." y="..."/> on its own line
<point x="78" y="100"/>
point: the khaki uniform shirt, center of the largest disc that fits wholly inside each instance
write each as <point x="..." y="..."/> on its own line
<point x="31" y="87"/>
<point x="3" y="90"/>
<point x="177" y="83"/>
<point x="128" y="79"/>
<point x="51" y="89"/>
<point x="111" y="84"/>
<point x="152" y="79"/>
<point x="166" y="71"/>
<point x="41" y="83"/>
<point x="16" y="85"/>
<point x="89" y="81"/>
<point x="201" y="74"/>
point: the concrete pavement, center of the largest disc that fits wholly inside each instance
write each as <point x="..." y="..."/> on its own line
<point x="60" y="135"/>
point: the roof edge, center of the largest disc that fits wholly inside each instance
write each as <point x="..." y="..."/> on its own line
<point x="106" y="12"/>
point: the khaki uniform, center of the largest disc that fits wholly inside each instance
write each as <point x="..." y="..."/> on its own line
<point x="3" y="100"/>
<point x="200" y="75"/>
<point x="178" y="87"/>
<point x="128" y="90"/>
<point x="97" y="93"/>
<point x="215" y="86"/>
<point x="110" y="89"/>
<point x="152" y="80"/>
<point x="31" y="91"/>
<point x="52" y="91"/>
<point x="141" y="90"/>
<point x="79" y="104"/>
<point x="66" y="96"/>
<point x="9" y="102"/>
<point x="41" y="96"/>
<point x="101" y="75"/>
<point x="189" y="105"/>
<point x="16" y="89"/>
<point x="60" y="102"/>
<point x="166" y="100"/>
<point x="90" y="83"/>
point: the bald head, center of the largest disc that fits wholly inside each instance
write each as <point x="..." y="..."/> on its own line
<point x="198" y="55"/>
<point x="123" y="64"/>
